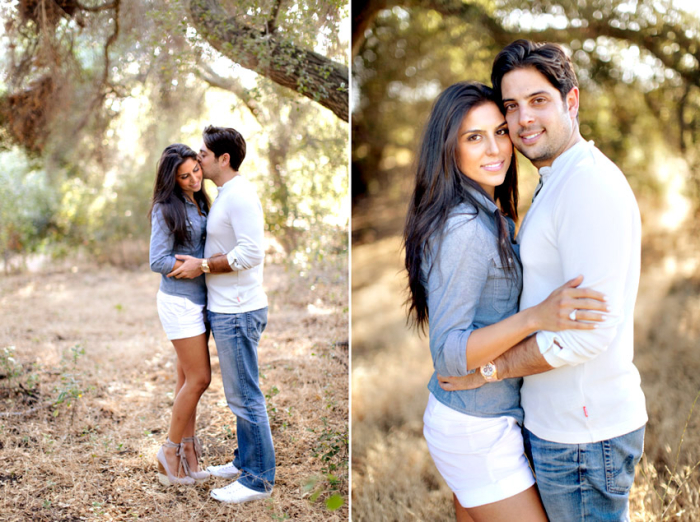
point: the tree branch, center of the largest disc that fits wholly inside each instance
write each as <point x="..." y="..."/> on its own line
<point x="95" y="9"/>
<point x="681" y="117"/>
<point x="364" y="13"/>
<point x="112" y="38"/>
<point x="655" y="39"/>
<point x="271" y="25"/>
<point x="305" y="72"/>
<point x="102" y="91"/>
<point x="229" y="84"/>
<point x="651" y="42"/>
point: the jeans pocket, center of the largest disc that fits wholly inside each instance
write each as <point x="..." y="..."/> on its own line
<point x="256" y="322"/>
<point x="224" y="326"/>
<point x="621" y="456"/>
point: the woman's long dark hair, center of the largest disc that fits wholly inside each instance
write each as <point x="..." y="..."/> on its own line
<point x="168" y="194"/>
<point x="440" y="186"/>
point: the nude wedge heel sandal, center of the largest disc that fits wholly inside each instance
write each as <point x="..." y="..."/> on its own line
<point x="198" y="476"/>
<point x="164" y="474"/>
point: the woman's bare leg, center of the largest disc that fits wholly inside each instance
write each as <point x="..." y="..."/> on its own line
<point x="523" y="507"/>
<point x="180" y="378"/>
<point x="190" y="453"/>
<point x="461" y="514"/>
<point x="193" y="377"/>
<point x="189" y="429"/>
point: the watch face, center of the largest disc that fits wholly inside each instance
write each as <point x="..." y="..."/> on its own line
<point x="488" y="370"/>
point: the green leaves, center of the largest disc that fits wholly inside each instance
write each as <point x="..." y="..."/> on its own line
<point x="334" y="502"/>
<point x="71" y="387"/>
<point x="319" y="486"/>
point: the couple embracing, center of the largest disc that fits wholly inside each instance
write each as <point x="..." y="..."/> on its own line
<point x="192" y="238"/>
<point x="535" y="409"/>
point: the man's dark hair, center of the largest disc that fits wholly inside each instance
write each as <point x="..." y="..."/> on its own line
<point x="222" y="140"/>
<point x="548" y="58"/>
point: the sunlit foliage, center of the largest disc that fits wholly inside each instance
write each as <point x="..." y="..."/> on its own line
<point x="93" y="95"/>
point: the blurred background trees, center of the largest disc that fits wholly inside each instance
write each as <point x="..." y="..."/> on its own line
<point x="92" y="91"/>
<point x="637" y="62"/>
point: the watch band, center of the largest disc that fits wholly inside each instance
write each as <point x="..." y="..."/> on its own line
<point x="205" y="266"/>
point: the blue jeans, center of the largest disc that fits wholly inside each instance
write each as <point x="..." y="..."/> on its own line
<point x="585" y="482"/>
<point x="237" y="337"/>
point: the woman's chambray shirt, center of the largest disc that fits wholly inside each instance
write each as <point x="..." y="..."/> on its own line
<point x="468" y="288"/>
<point x="162" y="253"/>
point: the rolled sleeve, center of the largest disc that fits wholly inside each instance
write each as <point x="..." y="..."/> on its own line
<point x="161" y="256"/>
<point x="455" y="286"/>
<point x="455" y="352"/>
<point x="595" y="236"/>
<point x="574" y="347"/>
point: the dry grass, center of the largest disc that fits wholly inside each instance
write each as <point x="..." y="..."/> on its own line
<point x="393" y="476"/>
<point x="96" y="458"/>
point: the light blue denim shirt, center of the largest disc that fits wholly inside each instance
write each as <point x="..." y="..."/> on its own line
<point x="162" y="253"/>
<point x="468" y="288"/>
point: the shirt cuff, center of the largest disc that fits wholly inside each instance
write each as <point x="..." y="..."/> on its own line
<point x="233" y="261"/>
<point x="549" y="349"/>
<point x="455" y="353"/>
<point x="164" y="266"/>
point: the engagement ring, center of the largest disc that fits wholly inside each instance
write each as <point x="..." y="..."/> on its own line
<point x="572" y="315"/>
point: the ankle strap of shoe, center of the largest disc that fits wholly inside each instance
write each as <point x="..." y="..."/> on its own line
<point x="180" y="452"/>
<point x="170" y="444"/>
<point x="197" y="445"/>
<point x="183" y="460"/>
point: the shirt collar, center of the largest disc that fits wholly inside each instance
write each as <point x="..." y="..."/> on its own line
<point x="229" y="183"/>
<point x="561" y="160"/>
<point x="483" y="200"/>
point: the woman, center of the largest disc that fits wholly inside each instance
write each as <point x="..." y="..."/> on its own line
<point x="178" y="226"/>
<point x="465" y="279"/>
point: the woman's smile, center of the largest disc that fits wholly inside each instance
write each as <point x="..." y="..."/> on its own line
<point x="494" y="167"/>
<point x="189" y="177"/>
<point x="484" y="149"/>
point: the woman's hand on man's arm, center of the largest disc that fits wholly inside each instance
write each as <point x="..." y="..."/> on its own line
<point x="465" y="382"/>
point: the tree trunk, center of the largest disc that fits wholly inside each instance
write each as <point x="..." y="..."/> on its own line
<point x="305" y="72"/>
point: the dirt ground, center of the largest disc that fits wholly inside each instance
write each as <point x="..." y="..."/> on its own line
<point x="393" y="477"/>
<point x="85" y="398"/>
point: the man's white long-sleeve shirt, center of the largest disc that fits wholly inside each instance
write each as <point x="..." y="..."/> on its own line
<point x="236" y="227"/>
<point x="585" y="220"/>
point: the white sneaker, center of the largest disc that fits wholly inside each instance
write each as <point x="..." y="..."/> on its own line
<point x="237" y="493"/>
<point x="228" y="471"/>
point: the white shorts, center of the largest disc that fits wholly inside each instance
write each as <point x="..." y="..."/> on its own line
<point x="180" y="317"/>
<point x="482" y="459"/>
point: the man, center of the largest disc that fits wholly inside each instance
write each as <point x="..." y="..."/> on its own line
<point x="584" y="407"/>
<point x="237" y="310"/>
